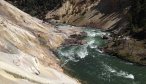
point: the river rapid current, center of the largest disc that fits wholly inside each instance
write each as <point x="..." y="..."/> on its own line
<point x="92" y="66"/>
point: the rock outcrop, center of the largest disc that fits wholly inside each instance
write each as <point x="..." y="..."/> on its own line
<point x="128" y="48"/>
<point x="25" y="49"/>
<point x="103" y="14"/>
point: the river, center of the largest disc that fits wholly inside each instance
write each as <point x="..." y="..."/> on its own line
<point x="92" y="66"/>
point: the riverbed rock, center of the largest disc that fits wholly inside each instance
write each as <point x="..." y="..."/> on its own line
<point x="79" y="36"/>
<point x="74" y="41"/>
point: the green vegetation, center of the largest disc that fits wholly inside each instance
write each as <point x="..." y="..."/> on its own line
<point x="138" y="13"/>
<point x="38" y="8"/>
<point x="137" y="18"/>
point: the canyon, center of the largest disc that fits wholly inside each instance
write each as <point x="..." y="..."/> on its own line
<point x="31" y="35"/>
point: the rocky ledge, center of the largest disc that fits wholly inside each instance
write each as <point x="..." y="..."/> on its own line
<point x="26" y="45"/>
<point x="127" y="48"/>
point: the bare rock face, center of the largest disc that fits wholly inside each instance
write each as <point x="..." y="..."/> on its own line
<point x="94" y="13"/>
<point x="105" y="14"/>
<point x="25" y="49"/>
<point x="129" y="49"/>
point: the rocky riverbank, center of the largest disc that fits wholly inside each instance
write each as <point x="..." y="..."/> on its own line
<point x="26" y="45"/>
<point x="127" y="48"/>
<point x="110" y="16"/>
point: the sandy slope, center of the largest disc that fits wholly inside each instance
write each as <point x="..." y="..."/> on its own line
<point x="25" y="49"/>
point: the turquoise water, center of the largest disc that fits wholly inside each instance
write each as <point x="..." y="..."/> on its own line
<point x="92" y="66"/>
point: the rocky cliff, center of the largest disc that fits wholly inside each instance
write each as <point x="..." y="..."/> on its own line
<point x="124" y="18"/>
<point x="103" y="14"/>
<point x="25" y="49"/>
<point x="94" y="13"/>
<point x="111" y="15"/>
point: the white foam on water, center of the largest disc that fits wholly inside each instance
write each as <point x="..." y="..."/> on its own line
<point x="101" y="34"/>
<point x="93" y="33"/>
<point x="118" y="73"/>
<point x="69" y="54"/>
<point x="74" y="53"/>
<point x="128" y="63"/>
<point x="100" y="51"/>
<point x="125" y="75"/>
<point x="82" y="52"/>
<point x="90" y="42"/>
<point x="108" y="68"/>
<point x="93" y="46"/>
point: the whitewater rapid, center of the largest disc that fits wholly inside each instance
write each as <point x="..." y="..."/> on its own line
<point x="89" y="63"/>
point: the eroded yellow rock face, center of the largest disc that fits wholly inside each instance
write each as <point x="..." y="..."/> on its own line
<point x="23" y="41"/>
<point x="22" y="33"/>
<point x="95" y="13"/>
